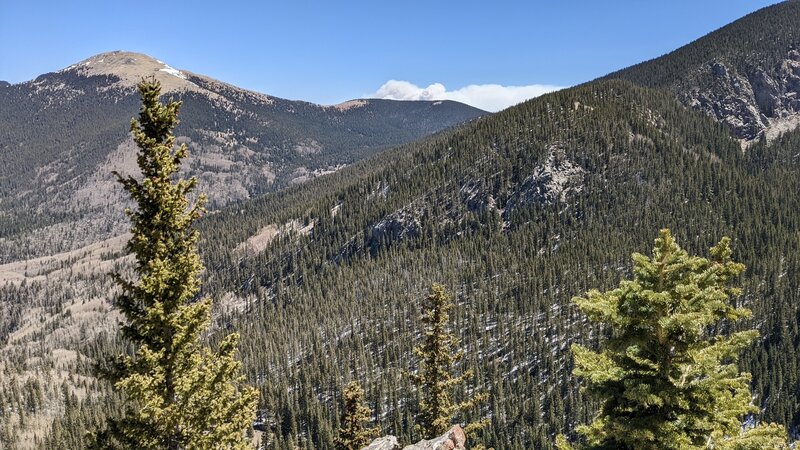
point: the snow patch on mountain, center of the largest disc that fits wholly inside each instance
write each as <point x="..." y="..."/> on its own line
<point x="172" y="71"/>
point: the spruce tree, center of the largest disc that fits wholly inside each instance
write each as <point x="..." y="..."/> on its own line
<point x="352" y="434"/>
<point x="438" y="353"/>
<point x="179" y="393"/>
<point x="667" y="376"/>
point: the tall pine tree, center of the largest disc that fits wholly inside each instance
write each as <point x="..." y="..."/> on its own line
<point x="353" y="435"/>
<point x="667" y="376"/>
<point x="179" y="393"/>
<point x="438" y="353"/>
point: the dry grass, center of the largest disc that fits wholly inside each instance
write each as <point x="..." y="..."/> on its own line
<point x="132" y="67"/>
<point x="97" y="258"/>
<point x="258" y="242"/>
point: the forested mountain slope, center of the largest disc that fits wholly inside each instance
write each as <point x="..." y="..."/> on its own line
<point x="746" y="74"/>
<point x="517" y="214"/>
<point x="63" y="133"/>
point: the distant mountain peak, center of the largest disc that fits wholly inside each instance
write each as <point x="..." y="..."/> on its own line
<point x="350" y="104"/>
<point x="130" y="67"/>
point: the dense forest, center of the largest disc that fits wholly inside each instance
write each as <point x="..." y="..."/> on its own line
<point x="515" y="214"/>
<point x="514" y="270"/>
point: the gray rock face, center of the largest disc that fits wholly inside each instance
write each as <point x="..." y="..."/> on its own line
<point x="383" y="443"/>
<point x="549" y="183"/>
<point x="751" y="102"/>
<point x="399" y="225"/>
<point x="454" y="439"/>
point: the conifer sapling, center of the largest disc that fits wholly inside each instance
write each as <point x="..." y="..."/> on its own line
<point x="438" y="353"/>
<point x="353" y="435"/>
<point x="179" y="393"/>
<point x="667" y="377"/>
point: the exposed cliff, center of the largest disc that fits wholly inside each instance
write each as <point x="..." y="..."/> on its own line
<point x="751" y="101"/>
<point x="746" y="74"/>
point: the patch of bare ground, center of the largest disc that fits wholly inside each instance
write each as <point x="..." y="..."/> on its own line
<point x="70" y="308"/>
<point x="94" y="259"/>
<point x="258" y="242"/>
<point x="777" y="127"/>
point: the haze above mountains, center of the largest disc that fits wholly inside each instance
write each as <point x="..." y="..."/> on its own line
<point x="516" y="212"/>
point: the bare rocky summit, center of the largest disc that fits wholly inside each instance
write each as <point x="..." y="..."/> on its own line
<point x="130" y="67"/>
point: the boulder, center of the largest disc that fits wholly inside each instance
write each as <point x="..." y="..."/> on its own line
<point x="383" y="443"/>
<point x="454" y="439"/>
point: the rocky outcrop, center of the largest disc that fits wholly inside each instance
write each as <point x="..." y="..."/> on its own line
<point x="549" y="183"/>
<point x="383" y="443"/>
<point x="401" y="224"/>
<point x="751" y="101"/>
<point x="453" y="439"/>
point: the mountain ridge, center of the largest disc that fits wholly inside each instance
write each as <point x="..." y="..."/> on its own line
<point x="131" y="66"/>
<point x="745" y="74"/>
<point x="63" y="133"/>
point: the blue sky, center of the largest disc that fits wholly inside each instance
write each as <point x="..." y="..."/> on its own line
<point x="331" y="51"/>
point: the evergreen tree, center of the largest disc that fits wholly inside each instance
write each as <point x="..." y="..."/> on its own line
<point x="435" y="379"/>
<point x="667" y="375"/>
<point x="180" y="394"/>
<point x="352" y="434"/>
